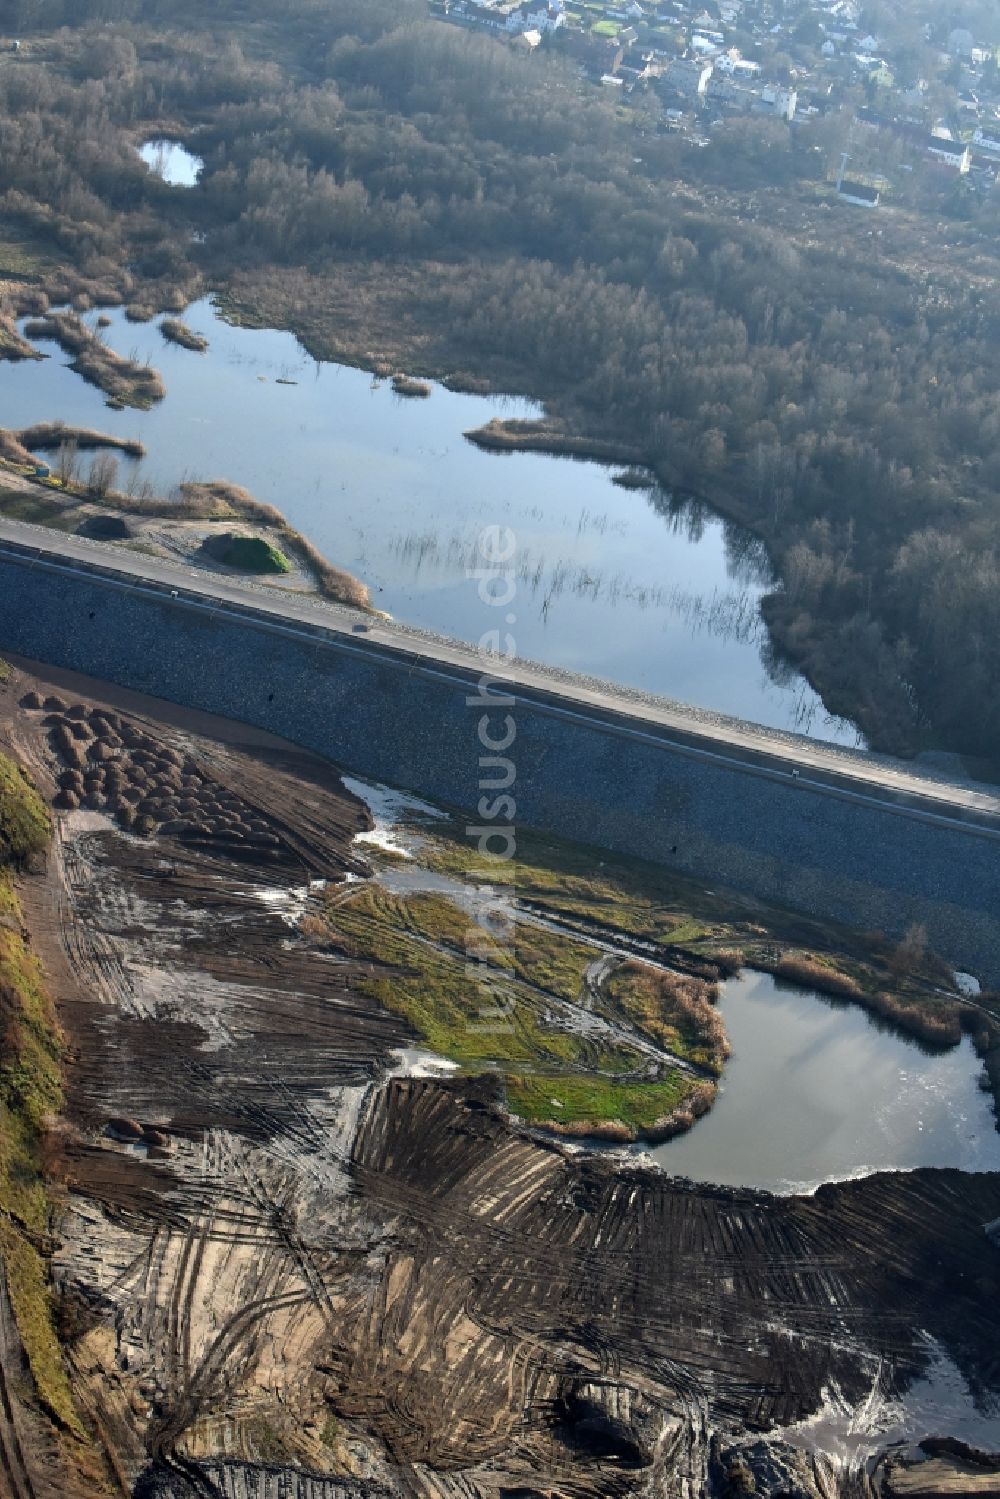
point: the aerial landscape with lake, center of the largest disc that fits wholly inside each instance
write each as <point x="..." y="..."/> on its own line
<point x="499" y="765"/>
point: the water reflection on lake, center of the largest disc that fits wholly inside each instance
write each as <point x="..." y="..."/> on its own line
<point x="638" y="587"/>
<point x="171" y="161"/>
<point x="817" y="1090"/>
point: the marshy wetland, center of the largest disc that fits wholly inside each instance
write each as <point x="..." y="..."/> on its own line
<point x="633" y="585"/>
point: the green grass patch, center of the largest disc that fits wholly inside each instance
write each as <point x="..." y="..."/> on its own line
<point x="24" y="818"/>
<point x="608" y="895"/>
<point x="675" y="1010"/>
<point x="424" y="980"/>
<point x="252" y="554"/>
<point x="511" y="1006"/>
<point x="615" y="895"/>
<point x="552" y="961"/>
<point x="30" y="1095"/>
<point x="606" y="28"/>
<point x="595" y="1100"/>
<point x="31" y="1299"/>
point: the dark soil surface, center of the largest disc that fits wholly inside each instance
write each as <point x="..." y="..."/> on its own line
<point x="286" y="1269"/>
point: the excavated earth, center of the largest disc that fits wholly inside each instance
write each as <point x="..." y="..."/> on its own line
<point x="286" y="1268"/>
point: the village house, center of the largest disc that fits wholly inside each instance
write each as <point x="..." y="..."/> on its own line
<point x="987" y="141"/>
<point x="858" y="193"/>
<point x="686" y="78"/>
<point x="954" y="154"/>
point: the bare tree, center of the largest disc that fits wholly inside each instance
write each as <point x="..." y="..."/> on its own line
<point x="102" y="477"/>
<point x="67" y="463"/>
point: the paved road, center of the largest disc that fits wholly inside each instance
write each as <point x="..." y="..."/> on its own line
<point x="813" y="763"/>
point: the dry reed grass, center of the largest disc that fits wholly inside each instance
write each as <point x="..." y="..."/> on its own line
<point x="50" y="435"/>
<point x="125" y="382"/>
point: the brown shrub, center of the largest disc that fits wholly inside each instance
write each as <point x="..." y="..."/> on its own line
<point x="13" y="451"/>
<point x="937" y="1027"/>
<point x="802" y="968"/>
<point x="729" y="961"/>
<point x="666" y="1004"/>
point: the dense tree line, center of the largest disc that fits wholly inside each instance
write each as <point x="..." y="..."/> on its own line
<point x="846" y="406"/>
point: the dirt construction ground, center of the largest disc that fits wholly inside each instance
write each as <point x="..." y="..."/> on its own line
<point x="284" y="1267"/>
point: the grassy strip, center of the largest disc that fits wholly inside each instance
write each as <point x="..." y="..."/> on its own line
<point x="520" y="436"/>
<point x="12" y="345"/>
<point x="500" y="1017"/>
<point x="30" y="1095"/>
<point x="592" y="1104"/>
<point x="24" y="819"/>
<point x="606" y="894"/>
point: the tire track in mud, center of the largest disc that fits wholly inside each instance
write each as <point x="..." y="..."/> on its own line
<point x="617" y="1281"/>
<point x="13" y="1464"/>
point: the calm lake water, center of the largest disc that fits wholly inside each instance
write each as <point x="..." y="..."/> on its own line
<point x="817" y="1091"/>
<point x="171" y="162"/>
<point x="632" y="586"/>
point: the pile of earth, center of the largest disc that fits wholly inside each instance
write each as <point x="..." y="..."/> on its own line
<point x="111" y="764"/>
<point x="248" y="554"/>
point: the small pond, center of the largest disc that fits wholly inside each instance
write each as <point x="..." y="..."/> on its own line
<point x="172" y="162"/>
<point x="818" y="1090"/>
<point x="635" y="586"/>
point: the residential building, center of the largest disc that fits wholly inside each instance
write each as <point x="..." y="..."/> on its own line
<point x="954" y="154"/>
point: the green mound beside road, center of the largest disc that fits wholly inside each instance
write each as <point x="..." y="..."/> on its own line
<point x="250" y="554"/>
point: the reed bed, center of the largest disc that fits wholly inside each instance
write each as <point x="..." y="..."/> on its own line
<point x="52" y="435"/>
<point x="125" y="382"/>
